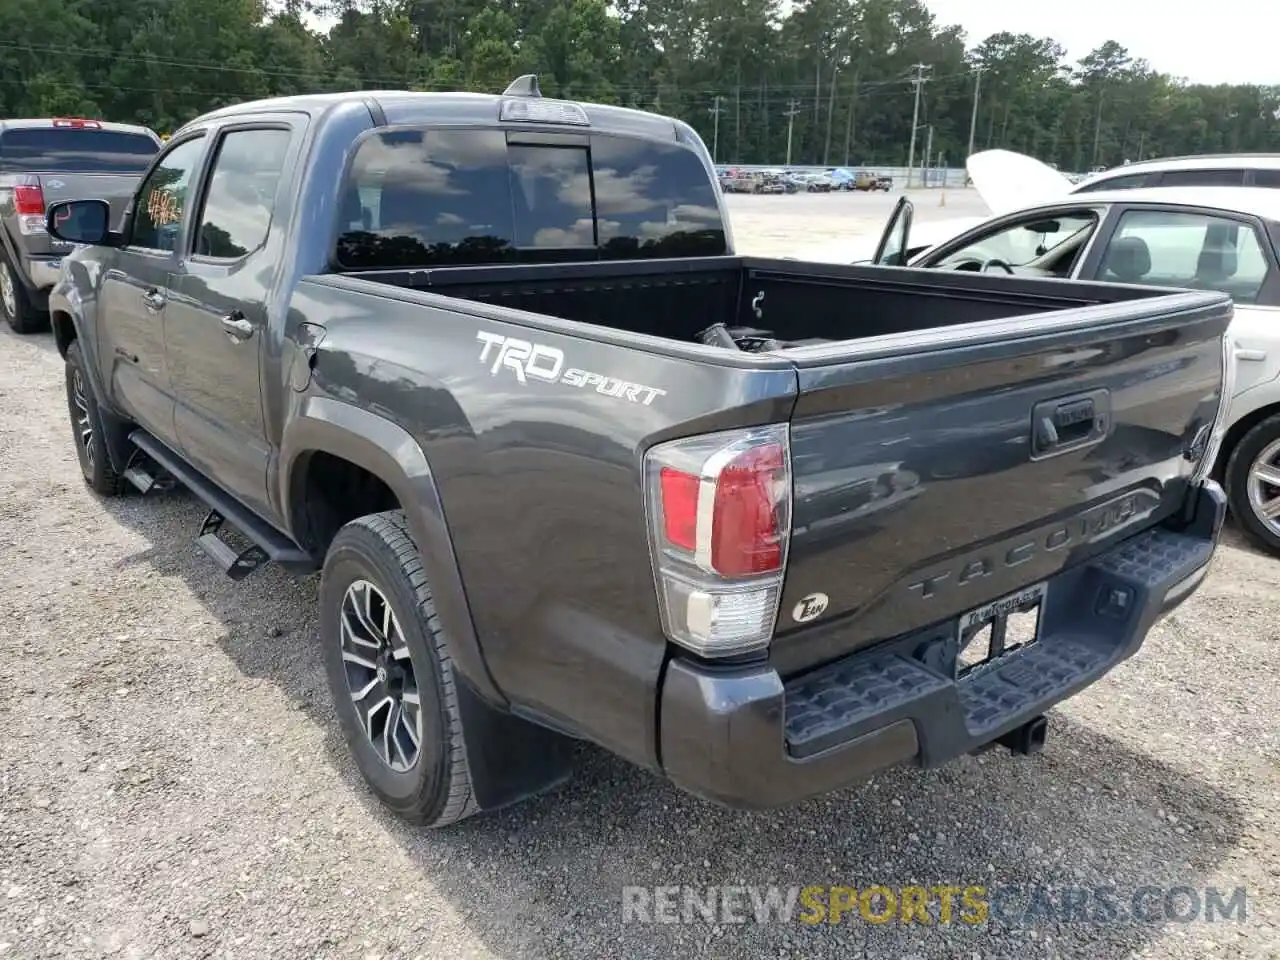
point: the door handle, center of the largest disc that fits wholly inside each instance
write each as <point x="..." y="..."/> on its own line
<point x="237" y="326"/>
<point x="153" y="300"/>
<point x="1069" y="423"/>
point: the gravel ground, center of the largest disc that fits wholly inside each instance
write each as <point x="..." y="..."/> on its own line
<point x="172" y="784"/>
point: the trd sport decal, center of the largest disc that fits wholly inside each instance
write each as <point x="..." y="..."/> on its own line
<point x="537" y="361"/>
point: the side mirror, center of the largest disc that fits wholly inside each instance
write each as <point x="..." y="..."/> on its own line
<point x="80" y="221"/>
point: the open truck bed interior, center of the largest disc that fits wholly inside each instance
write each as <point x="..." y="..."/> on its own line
<point x="761" y="304"/>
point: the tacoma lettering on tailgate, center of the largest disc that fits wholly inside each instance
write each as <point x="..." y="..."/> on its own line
<point x="539" y="362"/>
<point x="1094" y="523"/>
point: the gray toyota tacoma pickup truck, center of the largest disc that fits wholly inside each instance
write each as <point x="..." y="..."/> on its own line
<point x="41" y="162"/>
<point x="571" y="469"/>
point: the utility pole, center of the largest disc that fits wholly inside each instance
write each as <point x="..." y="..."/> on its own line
<point x="977" y="88"/>
<point x="831" y="109"/>
<point x="737" y="121"/>
<point x="793" y="107"/>
<point x="915" y="120"/>
<point x="848" y="129"/>
<point x="1097" y="129"/>
<point x="715" y="141"/>
<point x="928" y="155"/>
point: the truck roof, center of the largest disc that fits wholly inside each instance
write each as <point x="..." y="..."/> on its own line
<point x="45" y="123"/>
<point x="480" y="109"/>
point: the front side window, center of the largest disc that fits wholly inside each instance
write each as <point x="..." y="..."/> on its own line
<point x="421" y="198"/>
<point x="1047" y="243"/>
<point x="1196" y="250"/>
<point x="241" y="197"/>
<point x="162" y="201"/>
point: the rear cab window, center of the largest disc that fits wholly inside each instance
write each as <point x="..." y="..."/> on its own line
<point x="440" y="197"/>
<point x="74" y="150"/>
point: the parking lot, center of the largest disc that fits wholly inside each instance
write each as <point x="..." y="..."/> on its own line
<point x="173" y="785"/>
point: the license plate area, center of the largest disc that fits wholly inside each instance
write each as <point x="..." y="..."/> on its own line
<point x="996" y="629"/>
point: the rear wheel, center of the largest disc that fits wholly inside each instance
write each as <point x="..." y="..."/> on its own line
<point x="15" y="303"/>
<point x="390" y="672"/>
<point x="86" y="428"/>
<point x="1253" y="484"/>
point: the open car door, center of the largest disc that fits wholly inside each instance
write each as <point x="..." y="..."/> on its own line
<point x="891" y="251"/>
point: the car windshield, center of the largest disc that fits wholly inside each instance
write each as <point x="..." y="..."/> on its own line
<point x="77" y="150"/>
<point x="1024" y="243"/>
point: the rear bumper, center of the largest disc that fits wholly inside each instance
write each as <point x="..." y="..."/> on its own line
<point x="43" y="271"/>
<point x="745" y="738"/>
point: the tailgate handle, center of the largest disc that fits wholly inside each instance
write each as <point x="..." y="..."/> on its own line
<point x="1069" y="423"/>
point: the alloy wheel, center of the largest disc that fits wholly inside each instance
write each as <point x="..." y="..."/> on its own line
<point x="8" y="293"/>
<point x="1264" y="487"/>
<point x="380" y="676"/>
<point x="83" y="424"/>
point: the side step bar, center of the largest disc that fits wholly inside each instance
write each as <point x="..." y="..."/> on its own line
<point x="269" y="544"/>
<point x="145" y="476"/>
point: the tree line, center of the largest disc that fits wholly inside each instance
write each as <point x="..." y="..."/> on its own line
<point x="841" y="79"/>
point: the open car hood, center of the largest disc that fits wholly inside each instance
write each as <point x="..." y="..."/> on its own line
<point x="1008" y="181"/>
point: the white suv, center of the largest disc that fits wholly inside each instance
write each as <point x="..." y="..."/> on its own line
<point x="1209" y="170"/>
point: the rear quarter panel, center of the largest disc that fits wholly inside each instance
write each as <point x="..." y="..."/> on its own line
<point x="540" y="479"/>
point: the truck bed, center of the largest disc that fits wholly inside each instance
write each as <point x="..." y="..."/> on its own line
<point x="802" y="302"/>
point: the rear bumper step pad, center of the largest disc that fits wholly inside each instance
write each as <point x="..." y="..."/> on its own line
<point x="746" y="738"/>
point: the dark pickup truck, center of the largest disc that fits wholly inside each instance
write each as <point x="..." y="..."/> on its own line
<point x="42" y="162"/>
<point x="571" y="469"/>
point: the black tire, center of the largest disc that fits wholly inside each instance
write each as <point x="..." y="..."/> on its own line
<point x="1260" y="441"/>
<point x="20" y="315"/>
<point x="86" y="428"/>
<point x="435" y="790"/>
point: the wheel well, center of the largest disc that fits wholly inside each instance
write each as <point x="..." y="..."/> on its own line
<point x="1236" y="432"/>
<point x="64" y="331"/>
<point x="332" y="492"/>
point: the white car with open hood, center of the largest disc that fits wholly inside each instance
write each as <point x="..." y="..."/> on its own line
<point x="1217" y="238"/>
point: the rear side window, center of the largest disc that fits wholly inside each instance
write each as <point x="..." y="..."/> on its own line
<point x="462" y="197"/>
<point x="1126" y="182"/>
<point x="1266" y="178"/>
<point x="1197" y="250"/>
<point x="1202" y="178"/>
<point x="241" y="198"/>
<point x="53" y="150"/>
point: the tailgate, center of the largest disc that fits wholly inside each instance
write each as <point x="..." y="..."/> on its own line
<point x="937" y="471"/>
<point x="117" y="189"/>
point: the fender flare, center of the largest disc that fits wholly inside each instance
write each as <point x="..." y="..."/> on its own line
<point x="392" y="454"/>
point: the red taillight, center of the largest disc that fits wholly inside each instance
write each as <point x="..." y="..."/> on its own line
<point x="29" y="201"/>
<point x="719" y="521"/>
<point x="680" y="508"/>
<point x="745" y="538"/>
